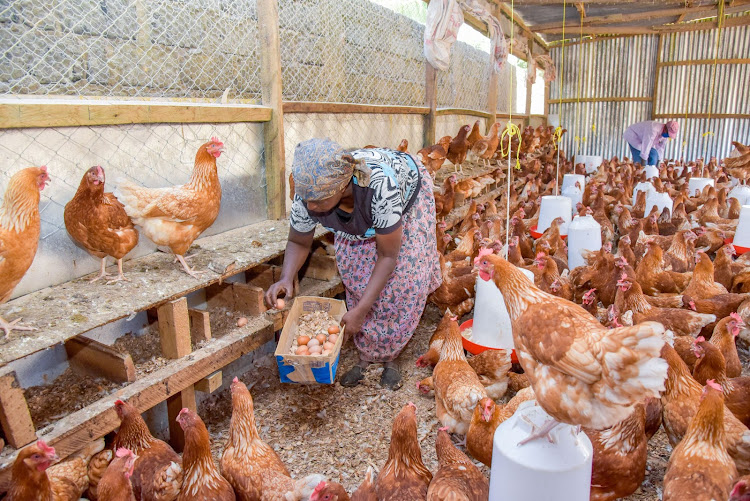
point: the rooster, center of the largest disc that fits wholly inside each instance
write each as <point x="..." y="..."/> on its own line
<point x="19" y="233"/>
<point x="177" y="215"/>
<point x="581" y="373"/>
<point x="97" y="222"/>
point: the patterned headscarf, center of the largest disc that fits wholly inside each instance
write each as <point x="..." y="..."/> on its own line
<point x="320" y="170"/>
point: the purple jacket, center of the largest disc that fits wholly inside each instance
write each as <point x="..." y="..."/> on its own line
<point x="646" y="135"/>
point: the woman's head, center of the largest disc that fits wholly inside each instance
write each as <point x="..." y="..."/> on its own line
<point x="322" y="170"/>
<point x="672" y="128"/>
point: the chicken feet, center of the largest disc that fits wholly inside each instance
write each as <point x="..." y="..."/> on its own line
<point x="193" y="273"/>
<point x="102" y="273"/>
<point x="543" y="431"/>
<point x="12" y="326"/>
<point x="120" y="277"/>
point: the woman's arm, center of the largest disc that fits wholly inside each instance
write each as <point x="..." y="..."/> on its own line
<point x="298" y="247"/>
<point x="388" y="247"/>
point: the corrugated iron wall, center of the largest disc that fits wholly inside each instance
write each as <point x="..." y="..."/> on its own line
<point x="620" y="74"/>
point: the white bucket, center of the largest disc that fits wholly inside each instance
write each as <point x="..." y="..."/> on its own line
<point x="552" y="208"/>
<point x="584" y="233"/>
<point x="698" y="183"/>
<point x="570" y="180"/>
<point x="575" y="195"/>
<point x="741" y="192"/>
<point x="539" y="470"/>
<point x="492" y="326"/>
<point x="651" y="171"/>
<point x="742" y="235"/>
<point x="647" y="187"/>
<point x="592" y="162"/>
<point x="660" y="200"/>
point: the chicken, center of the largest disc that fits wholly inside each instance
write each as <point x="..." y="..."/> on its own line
<point x="175" y="216"/>
<point x="403" y="476"/>
<point x="619" y="464"/>
<point x="681" y="254"/>
<point x="702" y="284"/>
<point x="474" y="135"/>
<point x="720" y="305"/>
<point x="741" y="490"/>
<point x="457" y="387"/>
<point x="432" y="355"/>
<point x="19" y="233"/>
<point x="453" y="291"/>
<point x="97" y="222"/>
<point x="681" y="322"/>
<point x="332" y="491"/>
<point x="457" y="477"/>
<point x="403" y="146"/>
<point x="725" y="269"/>
<point x="700" y="467"/>
<point x="445" y="201"/>
<point x="486" y="418"/>
<point x="653" y="278"/>
<point x="492" y="367"/>
<point x="32" y="477"/>
<point x="565" y="351"/>
<point x="485" y="147"/>
<point x="115" y="483"/>
<point x="157" y="475"/>
<point x="202" y="479"/>
<point x="458" y="147"/>
<point x="97" y="466"/>
<point x="433" y="156"/>
<point x="681" y="400"/>
<point x="723" y="337"/>
<point x="739" y="166"/>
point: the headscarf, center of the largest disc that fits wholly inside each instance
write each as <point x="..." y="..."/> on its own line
<point x="672" y="128"/>
<point x="321" y="169"/>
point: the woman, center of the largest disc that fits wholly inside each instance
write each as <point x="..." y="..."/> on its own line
<point x="380" y="205"/>
<point x="648" y="139"/>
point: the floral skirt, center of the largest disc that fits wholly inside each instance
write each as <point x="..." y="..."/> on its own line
<point x="395" y="315"/>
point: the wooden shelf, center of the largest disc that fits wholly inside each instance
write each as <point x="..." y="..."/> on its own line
<point x="74" y="431"/>
<point x="67" y="310"/>
<point x="471" y="170"/>
<point x="459" y="213"/>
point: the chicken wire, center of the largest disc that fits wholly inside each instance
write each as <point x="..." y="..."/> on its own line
<point x="149" y="155"/>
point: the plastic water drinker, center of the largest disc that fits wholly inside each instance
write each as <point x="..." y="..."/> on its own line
<point x="651" y="171"/>
<point x="741" y="192"/>
<point x="647" y="187"/>
<point x="554" y="207"/>
<point x="742" y="235"/>
<point x="698" y="183"/>
<point x="539" y="470"/>
<point x="660" y="200"/>
<point x="591" y="162"/>
<point x="572" y="179"/>
<point x="584" y="233"/>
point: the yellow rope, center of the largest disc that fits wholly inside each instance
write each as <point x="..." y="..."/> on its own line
<point x="720" y="23"/>
<point x="558" y="130"/>
<point x="578" y="139"/>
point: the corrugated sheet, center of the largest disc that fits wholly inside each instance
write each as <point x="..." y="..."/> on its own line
<point x="692" y="144"/>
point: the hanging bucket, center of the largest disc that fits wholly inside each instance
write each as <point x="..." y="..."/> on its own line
<point x="592" y="162"/>
<point x="647" y="187"/>
<point x="742" y="234"/>
<point x="554" y="207"/>
<point x="584" y="233"/>
<point x="698" y="183"/>
<point x="660" y="200"/>
<point x="651" y="171"/>
<point x="539" y="470"/>
<point x="570" y="180"/>
<point x="741" y="192"/>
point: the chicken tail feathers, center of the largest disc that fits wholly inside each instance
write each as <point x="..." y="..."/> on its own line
<point x="304" y="487"/>
<point x="168" y="482"/>
<point x="90" y="450"/>
<point x="136" y="199"/>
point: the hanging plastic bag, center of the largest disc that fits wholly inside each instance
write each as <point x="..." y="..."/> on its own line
<point x="444" y="18"/>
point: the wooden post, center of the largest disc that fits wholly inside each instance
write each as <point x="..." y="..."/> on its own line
<point x="200" y="325"/>
<point x="655" y="91"/>
<point x="174" y="328"/>
<point x="15" y="418"/>
<point x="273" y="131"/>
<point x="175" y="403"/>
<point x="528" y="87"/>
<point x="492" y="95"/>
<point x="431" y="103"/>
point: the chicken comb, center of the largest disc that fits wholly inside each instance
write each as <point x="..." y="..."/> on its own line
<point x="119" y="402"/>
<point x="713" y="384"/>
<point x="412" y="405"/>
<point x="44" y="447"/>
<point x="699" y="339"/>
<point x="484" y="251"/>
<point x="215" y="139"/>
<point x="444" y="428"/>
<point x="235" y="380"/>
<point x="123" y="452"/>
<point x="318" y="489"/>
<point x="737" y="318"/>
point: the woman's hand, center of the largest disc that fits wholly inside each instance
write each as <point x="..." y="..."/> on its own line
<point x="353" y="320"/>
<point x="283" y="285"/>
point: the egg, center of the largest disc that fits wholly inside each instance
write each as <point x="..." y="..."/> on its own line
<point x="334" y="329"/>
<point x="280" y="303"/>
<point x="316" y="350"/>
<point x="328" y="346"/>
<point x="302" y="340"/>
<point x="302" y="350"/>
<point x="326" y="352"/>
<point x="312" y="342"/>
<point x="333" y="338"/>
<point x="321" y="338"/>
<point x="241" y="322"/>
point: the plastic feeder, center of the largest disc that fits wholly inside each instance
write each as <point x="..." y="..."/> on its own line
<point x="552" y="208"/>
<point x="742" y="234"/>
<point x="651" y="171"/>
<point x="584" y="233"/>
<point x="660" y="200"/>
<point x="591" y="162"/>
<point x="741" y="192"/>
<point x="647" y="187"/>
<point x="698" y="183"/>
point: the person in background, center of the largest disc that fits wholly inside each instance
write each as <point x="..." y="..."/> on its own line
<point x="648" y="139"/>
<point x="380" y="205"/>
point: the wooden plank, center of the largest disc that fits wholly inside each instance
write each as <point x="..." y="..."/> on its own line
<point x="655" y="90"/>
<point x="273" y="131"/>
<point x="209" y="384"/>
<point x="175" y="403"/>
<point x="702" y="115"/>
<point x="321" y="267"/>
<point x="528" y="87"/>
<point x="602" y="100"/>
<point x="15" y="418"/>
<point x="54" y="113"/>
<point x="263" y="276"/>
<point x="430" y="121"/>
<point x="174" y="329"/>
<point x="309" y="107"/>
<point x="200" y="325"/>
<point x="248" y="299"/>
<point x="462" y="111"/>
<point x="528" y="30"/>
<point x="699" y="62"/>
<point x="70" y="309"/>
<point x="220" y="296"/>
<point x="91" y="357"/>
<point x="650" y="30"/>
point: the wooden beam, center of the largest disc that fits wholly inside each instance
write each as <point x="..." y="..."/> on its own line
<point x="271" y="90"/>
<point x="304" y="107"/>
<point x="569" y="100"/>
<point x="15" y="417"/>
<point x="200" y="325"/>
<point x="529" y="31"/>
<point x="651" y="30"/>
<point x="528" y="87"/>
<point x="493" y="85"/>
<point x="320" y="267"/>
<point x="175" y="403"/>
<point x="431" y="102"/>
<point x="91" y="357"/>
<point x="174" y="329"/>
<point x="655" y="90"/>
<point x="55" y="113"/>
<point x="462" y="111"/>
<point x="209" y="384"/>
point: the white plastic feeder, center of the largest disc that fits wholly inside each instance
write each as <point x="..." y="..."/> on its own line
<point x="698" y="183"/>
<point x="660" y="200"/>
<point x="539" y="470"/>
<point x="570" y="180"/>
<point x="584" y="233"/>
<point x="647" y="187"/>
<point x="552" y="208"/>
<point x="492" y="326"/>
<point x="742" y="235"/>
<point x="741" y="192"/>
<point x="575" y="195"/>
<point x="592" y="162"/>
<point x="651" y="171"/>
